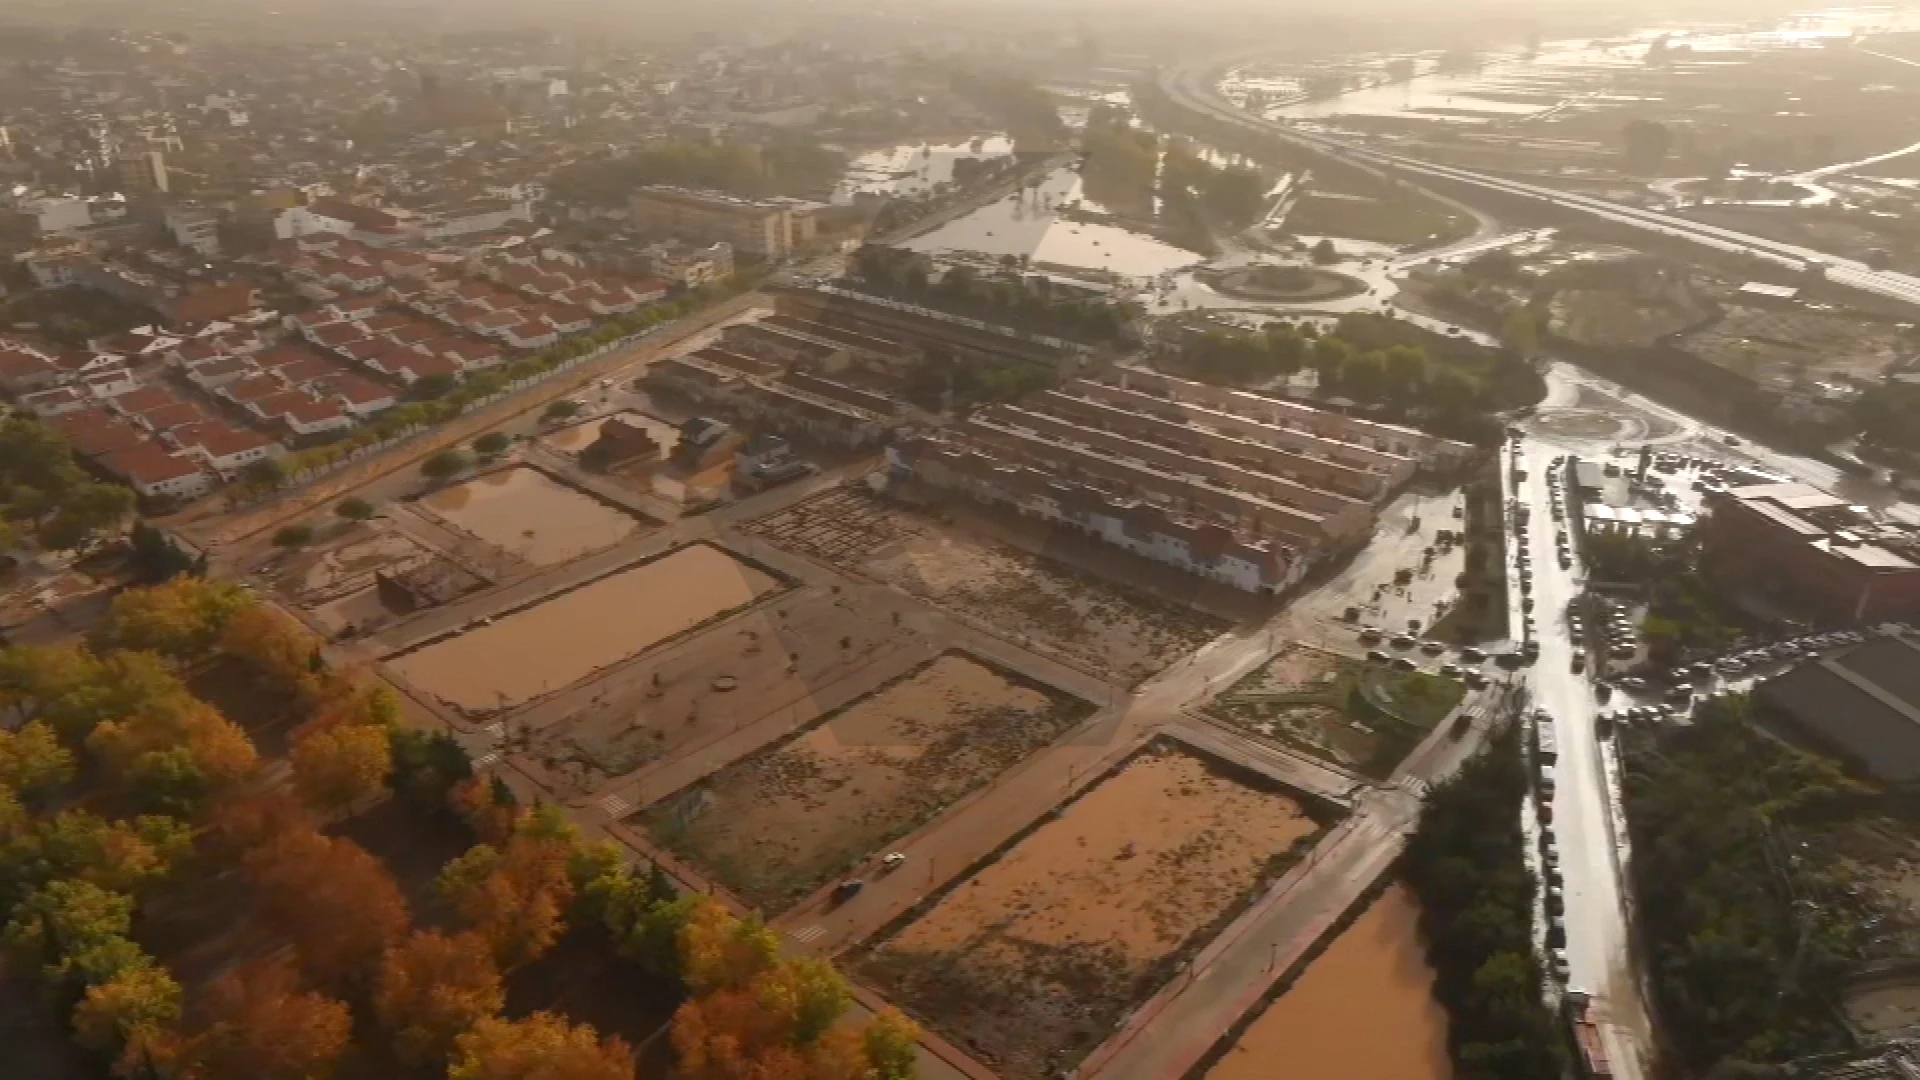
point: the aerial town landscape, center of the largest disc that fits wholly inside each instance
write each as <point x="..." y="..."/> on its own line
<point x="958" y="541"/>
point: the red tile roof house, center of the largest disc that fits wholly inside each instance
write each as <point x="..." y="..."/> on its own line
<point x="312" y="416"/>
<point x="530" y="335"/>
<point x="334" y="335"/>
<point x="360" y="396"/>
<point x="165" y="419"/>
<point x="95" y="432"/>
<point x="382" y="323"/>
<point x="23" y="372"/>
<point x="188" y="353"/>
<point x="411" y="366"/>
<point x="54" y="402"/>
<point x="256" y="387"/>
<point x="413" y="333"/>
<point x="471" y="355"/>
<point x="496" y="324"/>
<point x="156" y="472"/>
<point x="225" y="448"/>
<point x="145" y="399"/>
<point x="309" y="370"/>
<point x="222" y="372"/>
<point x="567" y="318"/>
<point x="281" y="356"/>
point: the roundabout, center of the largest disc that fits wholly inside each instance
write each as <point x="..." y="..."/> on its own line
<point x="1269" y="284"/>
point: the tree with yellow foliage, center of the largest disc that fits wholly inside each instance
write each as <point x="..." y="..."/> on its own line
<point x="721" y="952"/>
<point x="340" y="765"/>
<point x="182" y="619"/>
<point x="516" y="897"/>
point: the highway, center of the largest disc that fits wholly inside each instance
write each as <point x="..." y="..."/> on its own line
<point x="1193" y="87"/>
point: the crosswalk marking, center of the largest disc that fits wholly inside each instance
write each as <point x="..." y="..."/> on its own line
<point x="809" y="933"/>
<point x="486" y="759"/>
<point x="615" y="806"/>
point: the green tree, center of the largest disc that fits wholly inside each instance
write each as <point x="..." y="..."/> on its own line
<point x="354" y="509"/>
<point x="492" y="444"/>
<point x="267" y="474"/>
<point x="293" y="536"/>
<point x="1324" y="253"/>
<point x="65" y="918"/>
<point x="444" y="464"/>
<point x="170" y="781"/>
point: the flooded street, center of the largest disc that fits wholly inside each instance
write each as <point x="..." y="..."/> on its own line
<point x="1363" y="1010"/>
<point x="1028" y="224"/>
<point x="548" y="646"/>
<point x="528" y="513"/>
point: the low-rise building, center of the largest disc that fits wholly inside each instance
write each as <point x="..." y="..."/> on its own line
<point x="767" y="229"/>
<point x="1813" y="550"/>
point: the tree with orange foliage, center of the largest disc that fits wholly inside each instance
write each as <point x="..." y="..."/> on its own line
<point x="262" y="1026"/>
<point x="731" y="1035"/>
<point x="221" y="753"/>
<point x="339" y="765"/>
<point x="721" y="952"/>
<point x="432" y="988"/>
<point x="514" y="897"/>
<point x="331" y="899"/>
<point x="541" y="1047"/>
<point x="487" y="805"/>
<point x="238" y="822"/>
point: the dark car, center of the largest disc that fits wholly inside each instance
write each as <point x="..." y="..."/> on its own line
<point x="847" y="890"/>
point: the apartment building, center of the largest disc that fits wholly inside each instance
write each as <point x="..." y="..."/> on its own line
<point x="766" y="228"/>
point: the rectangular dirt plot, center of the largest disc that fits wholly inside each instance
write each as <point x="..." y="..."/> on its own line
<point x="529" y="514"/>
<point x="1095" y="625"/>
<point x="1031" y="962"/>
<point x="548" y="646"/>
<point x="775" y="826"/>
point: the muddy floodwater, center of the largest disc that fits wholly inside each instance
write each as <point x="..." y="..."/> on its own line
<point x="1034" y="959"/>
<point x="1363" y="1010"/>
<point x="548" y="646"/>
<point x="528" y="513"/>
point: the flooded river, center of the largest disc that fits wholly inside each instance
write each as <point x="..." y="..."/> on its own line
<point x="550" y="645"/>
<point x="1363" y="1010"/>
<point x="532" y="515"/>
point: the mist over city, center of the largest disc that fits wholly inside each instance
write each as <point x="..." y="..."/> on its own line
<point x="964" y="540"/>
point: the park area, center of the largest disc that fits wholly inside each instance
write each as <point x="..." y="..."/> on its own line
<point x="1361" y="718"/>
<point x="528" y="514"/>
<point x="1315" y="1027"/>
<point x="1030" y="962"/>
<point x="546" y="647"/>
<point x="778" y="825"/>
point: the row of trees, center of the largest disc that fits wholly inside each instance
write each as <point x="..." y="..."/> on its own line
<point x="782" y="164"/>
<point x="1029" y="304"/>
<point x="45" y="497"/>
<point x="1376" y="361"/>
<point x="1747" y="954"/>
<point x="449" y="398"/>
<point x="1466" y="862"/>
